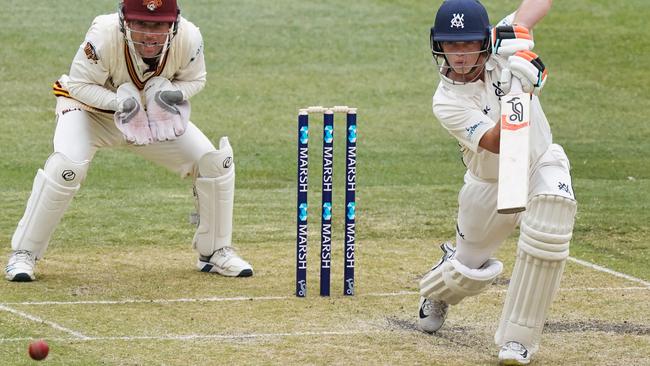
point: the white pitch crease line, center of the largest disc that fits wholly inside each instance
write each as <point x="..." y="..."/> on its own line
<point x="207" y="336"/>
<point x="39" y="320"/>
<point x="235" y="336"/>
<point x="583" y="289"/>
<point x="387" y="294"/>
<point x="609" y="271"/>
<point x="595" y="289"/>
<point x="150" y="301"/>
<point x="267" y="298"/>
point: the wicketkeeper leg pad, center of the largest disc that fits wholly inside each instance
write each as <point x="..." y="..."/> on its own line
<point x="543" y="247"/>
<point x="451" y="281"/>
<point x="53" y="189"/>
<point x="214" y="192"/>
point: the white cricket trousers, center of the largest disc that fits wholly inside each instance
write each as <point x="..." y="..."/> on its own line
<point x="480" y="229"/>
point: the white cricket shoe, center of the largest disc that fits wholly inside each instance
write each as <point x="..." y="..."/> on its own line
<point x="225" y="262"/>
<point x="21" y="266"/>
<point x="432" y="314"/>
<point x="514" y="353"/>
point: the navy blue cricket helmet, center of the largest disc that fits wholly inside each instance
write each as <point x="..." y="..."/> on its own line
<point x="460" y="20"/>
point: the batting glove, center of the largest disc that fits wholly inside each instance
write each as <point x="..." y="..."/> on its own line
<point x="508" y="39"/>
<point x="529" y="68"/>
<point x="130" y="118"/>
<point x="168" y="113"/>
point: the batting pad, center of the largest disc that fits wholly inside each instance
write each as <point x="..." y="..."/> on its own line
<point x="542" y="250"/>
<point x="215" y="192"/>
<point x="53" y="189"/>
<point x="452" y="281"/>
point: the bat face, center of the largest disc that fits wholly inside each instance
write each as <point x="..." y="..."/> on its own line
<point x="513" y="151"/>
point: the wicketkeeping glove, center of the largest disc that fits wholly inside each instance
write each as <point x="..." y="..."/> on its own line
<point x="508" y="39"/>
<point x="530" y="69"/>
<point x="130" y="117"/>
<point x="168" y="113"/>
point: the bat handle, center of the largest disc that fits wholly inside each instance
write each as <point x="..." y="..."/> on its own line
<point x="515" y="85"/>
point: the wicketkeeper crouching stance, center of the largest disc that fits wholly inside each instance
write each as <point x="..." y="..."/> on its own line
<point x="129" y="85"/>
<point x="476" y="63"/>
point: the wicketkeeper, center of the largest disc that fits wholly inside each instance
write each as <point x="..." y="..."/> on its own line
<point x="476" y="63"/>
<point x="129" y="85"/>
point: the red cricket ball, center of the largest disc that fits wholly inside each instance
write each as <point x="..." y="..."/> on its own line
<point x="38" y="349"/>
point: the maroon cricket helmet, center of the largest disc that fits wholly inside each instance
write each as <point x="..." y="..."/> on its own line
<point x="150" y="10"/>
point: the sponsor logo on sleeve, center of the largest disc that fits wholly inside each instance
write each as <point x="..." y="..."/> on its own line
<point x="471" y="129"/>
<point x="198" y="52"/>
<point x="91" y="53"/>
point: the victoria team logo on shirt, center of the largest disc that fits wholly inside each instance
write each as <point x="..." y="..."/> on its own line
<point x="564" y="187"/>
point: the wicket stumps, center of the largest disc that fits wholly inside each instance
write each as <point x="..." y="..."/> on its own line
<point x="326" y="207"/>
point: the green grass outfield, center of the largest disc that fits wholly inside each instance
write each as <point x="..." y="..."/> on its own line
<point x="118" y="285"/>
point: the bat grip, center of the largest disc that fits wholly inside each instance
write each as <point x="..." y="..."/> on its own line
<point x="515" y="85"/>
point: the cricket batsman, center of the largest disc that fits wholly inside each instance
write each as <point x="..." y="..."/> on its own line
<point x="129" y="85"/>
<point x="476" y="64"/>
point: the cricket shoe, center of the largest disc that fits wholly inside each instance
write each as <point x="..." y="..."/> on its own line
<point x="432" y="314"/>
<point x="225" y="262"/>
<point x="21" y="266"/>
<point x="514" y="354"/>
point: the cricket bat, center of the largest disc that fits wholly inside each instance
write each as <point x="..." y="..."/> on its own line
<point x="512" y="193"/>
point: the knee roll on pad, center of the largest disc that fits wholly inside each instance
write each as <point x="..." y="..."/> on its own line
<point x="543" y="247"/>
<point x="214" y="192"/>
<point x="452" y="281"/>
<point x="54" y="187"/>
<point x="217" y="163"/>
<point x="547" y="227"/>
<point x="65" y="172"/>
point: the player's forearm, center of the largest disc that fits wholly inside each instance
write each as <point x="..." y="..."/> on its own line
<point x="530" y="12"/>
<point x="92" y="94"/>
<point x="191" y="79"/>
<point x="189" y="88"/>
<point x="491" y="139"/>
<point x="86" y="82"/>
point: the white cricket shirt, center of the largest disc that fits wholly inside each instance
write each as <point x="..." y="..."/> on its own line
<point x="469" y="110"/>
<point x="104" y="61"/>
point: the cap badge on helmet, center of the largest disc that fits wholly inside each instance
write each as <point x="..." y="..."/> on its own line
<point x="457" y="21"/>
<point x="152" y="5"/>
